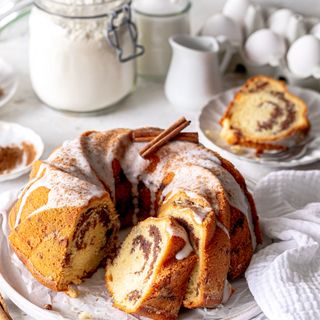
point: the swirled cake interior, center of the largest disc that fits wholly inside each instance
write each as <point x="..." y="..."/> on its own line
<point x="264" y="112"/>
<point x="149" y="275"/>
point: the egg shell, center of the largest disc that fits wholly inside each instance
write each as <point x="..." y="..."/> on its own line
<point x="304" y="56"/>
<point x="265" y="47"/>
<point x="236" y="10"/>
<point x="278" y="21"/>
<point x="220" y="24"/>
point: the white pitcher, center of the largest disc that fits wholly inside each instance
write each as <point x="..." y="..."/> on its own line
<point x="195" y="72"/>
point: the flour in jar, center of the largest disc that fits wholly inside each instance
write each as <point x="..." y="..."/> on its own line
<point x="72" y="65"/>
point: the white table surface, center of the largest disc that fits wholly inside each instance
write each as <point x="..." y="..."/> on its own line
<point x="146" y="106"/>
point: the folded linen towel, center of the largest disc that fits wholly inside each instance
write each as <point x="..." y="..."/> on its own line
<point x="284" y="277"/>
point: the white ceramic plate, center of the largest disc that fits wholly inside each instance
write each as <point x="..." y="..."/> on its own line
<point x="30" y="296"/>
<point x="214" y="110"/>
<point x="15" y="134"/>
<point x="8" y="82"/>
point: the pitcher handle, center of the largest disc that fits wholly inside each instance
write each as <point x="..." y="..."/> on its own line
<point x="226" y="47"/>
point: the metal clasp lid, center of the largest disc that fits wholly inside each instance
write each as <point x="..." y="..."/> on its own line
<point x="113" y="33"/>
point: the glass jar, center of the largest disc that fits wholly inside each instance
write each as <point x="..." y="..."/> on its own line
<point x="157" y="21"/>
<point x="82" y="52"/>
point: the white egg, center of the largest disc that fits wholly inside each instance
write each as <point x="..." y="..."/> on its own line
<point x="220" y="25"/>
<point x="236" y="10"/>
<point x="316" y="30"/>
<point x="265" y="47"/>
<point x="304" y="56"/>
<point x="278" y="21"/>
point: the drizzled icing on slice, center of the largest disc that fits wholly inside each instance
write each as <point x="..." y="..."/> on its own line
<point x="64" y="190"/>
<point x="23" y="196"/>
<point x="236" y="198"/>
<point x="133" y="166"/>
<point x="223" y="228"/>
<point x="200" y="211"/>
<point x="198" y="180"/>
<point x="179" y="232"/>
<point x="101" y="149"/>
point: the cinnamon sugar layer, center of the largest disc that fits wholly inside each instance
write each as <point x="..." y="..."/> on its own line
<point x="13" y="156"/>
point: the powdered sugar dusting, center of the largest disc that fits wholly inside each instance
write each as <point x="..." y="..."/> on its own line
<point x="65" y="190"/>
<point x="196" y="179"/>
<point x="71" y="159"/>
<point x="200" y="211"/>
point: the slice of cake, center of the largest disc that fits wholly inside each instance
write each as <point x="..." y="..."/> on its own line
<point x="264" y="115"/>
<point x="149" y="275"/>
<point x="210" y="240"/>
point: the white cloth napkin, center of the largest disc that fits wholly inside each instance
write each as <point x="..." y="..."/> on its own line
<point x="284" y="277"/>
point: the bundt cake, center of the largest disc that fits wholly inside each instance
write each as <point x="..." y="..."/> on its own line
<point x="66" y="220"/>
<point x="149" y="275"/>
<point x="264" y="115"/>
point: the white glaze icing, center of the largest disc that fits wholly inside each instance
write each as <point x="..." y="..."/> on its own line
<point x="102" y="148"/>
<point x="23" y="194"/>
<point x="198" y="180"/>
<point x="65" y="190"/>
<point x="71" y="159"/>
<point x="132" y="164"/>
<point x="175" y="231"/>
<point x="200" y="211"/>
<point x="223" y="228"/>
<point x="237" y="199"/>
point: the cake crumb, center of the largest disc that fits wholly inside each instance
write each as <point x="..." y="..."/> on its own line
<point x="48" y="306"/>
<point x="85" y="316"/>
<point x="72" y="292"/>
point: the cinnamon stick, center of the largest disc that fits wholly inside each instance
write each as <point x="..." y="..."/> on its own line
<point x="183" y="136"/>
<point x="164" y="137"/>
<point x="146" y="132"/>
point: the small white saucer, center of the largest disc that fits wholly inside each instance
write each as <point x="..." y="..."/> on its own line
<point x="15" y="134"/>
<point x="8" y="82"/>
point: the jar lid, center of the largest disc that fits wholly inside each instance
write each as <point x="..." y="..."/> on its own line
<point x="160" y="7"/>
